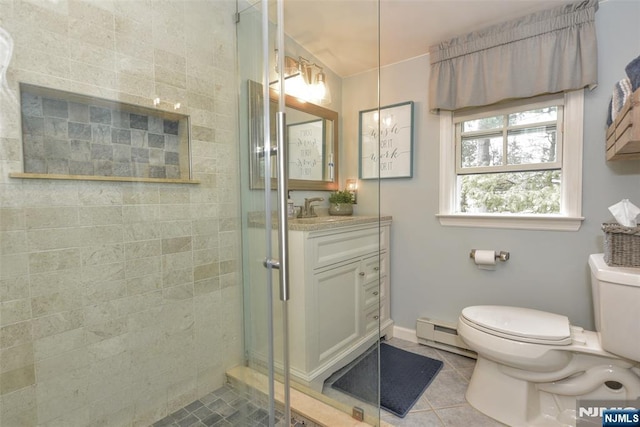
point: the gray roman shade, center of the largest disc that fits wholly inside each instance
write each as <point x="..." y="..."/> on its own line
<point x="545" y="52"/>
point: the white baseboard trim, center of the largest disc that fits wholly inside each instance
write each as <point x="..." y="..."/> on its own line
<point x="405" y="334"/>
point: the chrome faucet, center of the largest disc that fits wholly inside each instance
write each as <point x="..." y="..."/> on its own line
<point x="308" y="211"/>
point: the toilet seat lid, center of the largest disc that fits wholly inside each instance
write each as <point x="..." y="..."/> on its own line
<point x="520" y="324"/>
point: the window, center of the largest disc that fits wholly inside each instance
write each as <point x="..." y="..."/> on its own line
<point x="516" y="165"/>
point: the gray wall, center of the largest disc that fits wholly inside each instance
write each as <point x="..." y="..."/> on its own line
<point x="431" y="273"/>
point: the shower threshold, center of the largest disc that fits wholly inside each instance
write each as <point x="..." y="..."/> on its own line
<point x="303" y="406"/>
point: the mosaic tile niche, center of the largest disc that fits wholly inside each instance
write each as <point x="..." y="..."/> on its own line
<point x="66" y="134"/>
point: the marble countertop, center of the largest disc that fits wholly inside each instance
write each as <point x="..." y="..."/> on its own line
<point x="318" y="223"/>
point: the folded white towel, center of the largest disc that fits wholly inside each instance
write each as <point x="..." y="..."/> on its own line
<point x="621" y="92"/>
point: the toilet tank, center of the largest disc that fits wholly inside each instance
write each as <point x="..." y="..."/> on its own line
<point x="616" y="300"/>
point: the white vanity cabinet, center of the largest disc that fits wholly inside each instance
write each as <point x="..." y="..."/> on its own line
<point x="339" y="294"/>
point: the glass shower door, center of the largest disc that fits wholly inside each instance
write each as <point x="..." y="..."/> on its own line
<point x="264" y="214"/>
<point x="350" y="325"/>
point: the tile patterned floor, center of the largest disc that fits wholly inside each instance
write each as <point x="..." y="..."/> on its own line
<point x="442" y="404"/>
<point x="227" y="407"/>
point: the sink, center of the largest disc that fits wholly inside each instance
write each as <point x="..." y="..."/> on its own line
<point x="319" y="219"/>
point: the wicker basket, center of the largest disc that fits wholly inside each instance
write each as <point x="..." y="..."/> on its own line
<point x="621" y="245"/>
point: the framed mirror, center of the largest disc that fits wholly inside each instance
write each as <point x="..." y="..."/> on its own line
<point x="312" y="138"/>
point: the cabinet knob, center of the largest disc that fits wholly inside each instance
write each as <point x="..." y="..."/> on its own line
<point x="361" y="273"/>
<point x="376" y="317"/>
<point x="376" y="268"/>
<point x="375" y="293"/>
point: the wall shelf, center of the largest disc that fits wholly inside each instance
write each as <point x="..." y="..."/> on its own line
<point x="623" y="136"/>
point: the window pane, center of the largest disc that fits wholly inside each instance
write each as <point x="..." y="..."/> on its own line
<point x="494" y="122"/>
<point x="547" y="114"/>
<point x="486" y="151"/>
<point x="531" y="145"/>
<point x="517" y="192"/>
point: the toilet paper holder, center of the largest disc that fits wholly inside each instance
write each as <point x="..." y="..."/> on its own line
<point x="502" y="255"/>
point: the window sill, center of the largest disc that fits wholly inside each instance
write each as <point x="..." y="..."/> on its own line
<point x="520" y="222"/>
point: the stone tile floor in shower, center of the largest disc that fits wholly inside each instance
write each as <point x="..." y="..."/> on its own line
<point x="227" y="407"/>
<point x="442" y="404"/>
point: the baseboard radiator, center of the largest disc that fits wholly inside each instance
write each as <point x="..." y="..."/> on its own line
<point x="442" y="335"/>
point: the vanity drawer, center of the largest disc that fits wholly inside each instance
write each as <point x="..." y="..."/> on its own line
<point x="371" y="295"/>
<point x="372" y="317"/>
<point x="333" y="248"/>
<point x="374" y="267"/>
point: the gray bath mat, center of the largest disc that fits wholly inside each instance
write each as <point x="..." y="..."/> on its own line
<point x="404" y="376"/>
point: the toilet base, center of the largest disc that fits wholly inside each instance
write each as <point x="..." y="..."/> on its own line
<point x="521" y="403"/>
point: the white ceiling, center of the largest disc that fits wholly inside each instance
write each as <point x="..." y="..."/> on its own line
<point x="342" y="34"/>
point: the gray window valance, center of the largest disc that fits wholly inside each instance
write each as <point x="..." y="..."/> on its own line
<point x="545" y="52"/>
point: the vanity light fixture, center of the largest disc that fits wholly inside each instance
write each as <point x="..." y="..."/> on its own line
<point x="305" y="80"/>
<point x="320" y="87"/>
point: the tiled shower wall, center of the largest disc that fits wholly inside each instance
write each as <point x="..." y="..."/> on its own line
<point x="119" y="302"/>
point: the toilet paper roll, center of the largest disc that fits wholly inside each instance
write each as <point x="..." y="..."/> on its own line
<point x="485" y="259"/>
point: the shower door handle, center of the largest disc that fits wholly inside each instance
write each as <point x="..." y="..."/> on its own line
<point x="283" y="241"/>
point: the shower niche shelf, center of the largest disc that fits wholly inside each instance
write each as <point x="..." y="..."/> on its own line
<point x="68" y="136"/>
<point x="20" y="175"/>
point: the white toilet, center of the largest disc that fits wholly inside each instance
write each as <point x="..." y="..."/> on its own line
<point x="532" y="366"/>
